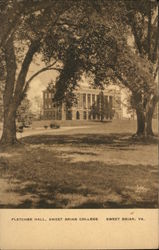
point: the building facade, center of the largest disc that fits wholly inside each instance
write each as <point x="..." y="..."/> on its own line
<point x="91" y="104"/>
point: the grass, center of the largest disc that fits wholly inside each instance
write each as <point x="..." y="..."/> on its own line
<point x="81" y="168"/>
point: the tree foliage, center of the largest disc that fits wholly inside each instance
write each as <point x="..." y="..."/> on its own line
<point x="76" y="36"/>
<point x="24" y="114"/>
<point x="106" y="53"/>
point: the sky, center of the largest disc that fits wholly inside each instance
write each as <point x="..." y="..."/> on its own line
<point x="39" y="83"/>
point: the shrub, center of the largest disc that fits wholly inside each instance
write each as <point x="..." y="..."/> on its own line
<point x="20" y="129"/>
<point x="54" y="125"/>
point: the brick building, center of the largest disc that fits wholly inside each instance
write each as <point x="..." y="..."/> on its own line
<point x="109" y="100"/>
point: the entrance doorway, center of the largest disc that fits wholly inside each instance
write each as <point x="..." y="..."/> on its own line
<point x="77" y="115"/>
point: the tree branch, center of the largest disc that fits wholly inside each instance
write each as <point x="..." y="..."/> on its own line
<point x="24" y="69"/>
<point x="34" y="47"/>
<point x="149" y="32"/>
<point x="135" y="33"/>
<point x="50" y="67"/>
<point x="137" y="39"/>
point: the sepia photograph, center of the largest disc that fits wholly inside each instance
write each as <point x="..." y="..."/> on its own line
<point x="79" y="105"/>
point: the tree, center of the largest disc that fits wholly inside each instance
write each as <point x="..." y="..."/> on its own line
<point x="24" y="114"/>
<point x="107" y="55"/>
<point x="26" y="28"/>
<point x="73" y="37"/>
<point x="137" y="67"/>
<point x="12" y="13"/>
<point x="18" y="52"/>
<point x="143" y="20"/>
<point x="139" y="73"/>
<point x="102" y="108"/>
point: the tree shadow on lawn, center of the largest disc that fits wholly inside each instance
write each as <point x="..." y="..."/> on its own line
<point x="43" y="196"/>
<point x="103" y="193"/>
<point x="47" y="199"/>
<point x="114" y="140"/>
<point x="66" y="191"/>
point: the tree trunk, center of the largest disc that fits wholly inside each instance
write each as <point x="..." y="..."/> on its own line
<point x="149" y="123"/>
<point x="140" y="122"/>
<point x="149" y="115"/>
<point x="9" y="127"/>
<point x="144" y="120"/>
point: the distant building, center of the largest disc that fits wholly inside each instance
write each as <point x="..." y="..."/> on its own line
<point x="90" y="105"/>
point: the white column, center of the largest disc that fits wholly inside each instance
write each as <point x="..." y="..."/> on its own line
<point x="81" y="114"/>
<point x="109" y="107"/>
<point x="73" y="114"/>
<point x="95" y="99"/>
<point x="91" y="100"/>
<point x="86" y="101"/>
<point x="90" y="106"/>
<point x="81" y="100"/>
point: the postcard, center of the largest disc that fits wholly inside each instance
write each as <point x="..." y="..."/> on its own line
<point x="79" y="124"/>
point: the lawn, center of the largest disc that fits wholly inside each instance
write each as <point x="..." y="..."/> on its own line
<point x="94" y="166"/>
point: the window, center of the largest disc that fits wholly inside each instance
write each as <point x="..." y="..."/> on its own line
<point x="106" y="99"/>
<point x="84" y="100"/>
<point x="93" y="99"/>
<point x="68" y="115"/>
<point x="89" y="115"/>
<point x="80" y="101"/>
<point x="85" y="115"/>
<point x="49" y="115"/>
<point x="53" y="115"/>
<point x="98" y="100"/>
<point x="77" y="102"/>
<point x="77" y="115"/>
<point x="110" y="101"/>
<point x="94" y="116"/>
<point x="59" y="115"/>
<point x="89" y="100"/>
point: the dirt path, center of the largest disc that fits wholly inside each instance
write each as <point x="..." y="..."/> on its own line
<point x="38" y="131"/>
